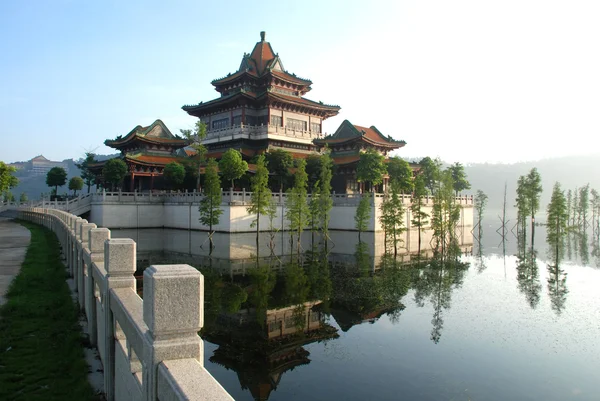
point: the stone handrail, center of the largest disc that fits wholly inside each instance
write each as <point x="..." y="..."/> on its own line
<point x="255" y="131"/>
<point x="150" y="348"/>
<point x="235" y="197"/>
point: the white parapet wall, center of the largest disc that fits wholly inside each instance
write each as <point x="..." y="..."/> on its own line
<point x="150" y="349"/>
<point x="181" y="211"/>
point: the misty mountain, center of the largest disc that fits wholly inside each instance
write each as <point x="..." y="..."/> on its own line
<point x="571" y="171"/>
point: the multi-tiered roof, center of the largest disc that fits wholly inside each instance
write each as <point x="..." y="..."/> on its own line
<point x="262" y="80"/>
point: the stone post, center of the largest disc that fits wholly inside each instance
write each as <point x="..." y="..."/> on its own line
<point x="97" y="238"/>
<point x="76" y="245"/>
<point x="173" y="312"/>
<point x="120" y="264"/>
<point x="83" y="267"/>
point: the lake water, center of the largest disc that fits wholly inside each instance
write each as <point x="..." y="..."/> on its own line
<point x="494" y="325"/>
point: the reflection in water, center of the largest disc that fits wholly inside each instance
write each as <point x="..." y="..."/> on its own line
<point x="435" y="280"/>
<point x="528" y="277"/>
<point x="557" y="288"/>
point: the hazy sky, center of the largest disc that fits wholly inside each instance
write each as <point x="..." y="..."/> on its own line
<point x="474" y="80"/>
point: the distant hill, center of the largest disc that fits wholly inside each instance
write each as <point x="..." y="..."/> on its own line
<point x="33" y="186"/>
<point x="571" y="172"/>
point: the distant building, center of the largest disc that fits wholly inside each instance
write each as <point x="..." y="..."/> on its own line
<point x="39" y="165"/>
<point x="146" y="151"/>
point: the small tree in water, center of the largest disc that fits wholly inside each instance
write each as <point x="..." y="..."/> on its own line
<point x="296" y="203"/>
<point x="210" y="205"/>
<point x="363" y="214"/>
<point x="557" y="220"/>
<point x="261" y="195"/>
<point x="420" y="219"/>
<point x="480" y="202"/>
<point x="392" y="217"/>
<point x="325" y="202"/>
<point x="533" y="192"/>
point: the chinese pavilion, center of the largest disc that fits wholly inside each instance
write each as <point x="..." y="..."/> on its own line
<point x="346" y="144"/>
<point x="146" y="151"/>
<point x="262" y="107"/>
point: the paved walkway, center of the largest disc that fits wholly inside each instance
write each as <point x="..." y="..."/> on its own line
<point x="14" y="240"/>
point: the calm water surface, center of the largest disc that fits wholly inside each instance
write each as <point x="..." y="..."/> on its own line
<point x="492" y="327"/>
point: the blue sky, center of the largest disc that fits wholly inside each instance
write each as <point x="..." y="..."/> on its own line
<point x="463" y="80"/>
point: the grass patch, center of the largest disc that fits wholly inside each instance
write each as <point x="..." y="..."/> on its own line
<point x="41" y="343"/>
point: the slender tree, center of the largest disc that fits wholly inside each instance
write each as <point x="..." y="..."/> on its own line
<point x="174" y="174"/>
<point x="261" y="195"/>
<point x="459" y="177"/>
<point x="325" y="200"/>
<point x="314" y="206"/>
<point x="595" y="203"/>
<point x="232" y="166"/>
<point x="557" y="220"/>
<point x="569" y="205"/>
<point x="23" y="198"/>
<point x="576" y="213"/>
<point x="114" y="171"/>
<point x="522" y="205"/>
<point x="210" y="204"/>
<point x="533" y="193"/>
<point x="392" y="217"/>
<point x="363" y="214"/>
<point x="584" y="206"/>
<point x="480" y="202"/>
<point x="56" y="177"/>
<point x="296" y="203"/>
<point x="419" y="216"/>
<point x="75" y="184"/>
<point x="371" y="168"/>
<point x="86" y="174"/>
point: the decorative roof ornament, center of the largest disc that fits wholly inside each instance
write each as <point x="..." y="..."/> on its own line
<point x="262" y="36"/>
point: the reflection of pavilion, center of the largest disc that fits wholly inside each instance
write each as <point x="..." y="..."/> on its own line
<point x="347" y="319"/>
<point x="261" y="354"/>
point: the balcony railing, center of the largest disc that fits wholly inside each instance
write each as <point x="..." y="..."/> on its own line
<point x="259" y="132"/>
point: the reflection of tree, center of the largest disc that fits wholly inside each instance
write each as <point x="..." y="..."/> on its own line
<point x="435" y="280"/>
<point x="479" y="259"/>
<point x="262" y="279"/>
<point x="557" y="288"/>
<point x="528" y="274"/>
<point x="584" y="252"/>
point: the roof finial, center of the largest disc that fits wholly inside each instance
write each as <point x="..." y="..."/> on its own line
<point x="262" y="36"/>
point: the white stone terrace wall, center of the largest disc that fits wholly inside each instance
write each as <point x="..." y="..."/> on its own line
<point x="150" y="348"/>
<point x="180" y="210"/>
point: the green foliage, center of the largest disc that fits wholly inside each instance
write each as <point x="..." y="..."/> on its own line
<point x="114" y="172"/>
<point x="86" y="174"/>
<point x="297" y="210"/>
<point x="557" y="219"/>
<point x="533" y="191"/>
<point x="522" y="202"/>
<point x="584" y="203"/>
<point x="371" y="168"/>
<point x="430" y="169"/>
<point x="392" y="218"/>
<point x="262" y="280"/>
<point x="210" y="205"/>
<point x="56" y="177"/>
<point x="400" y="174"/>
<point x="7" y="179"/>
<point x="42" y="357"/>
<point x="314" y="206"/>
<point x="363" y="213"/>
<point x="8" y="197"/>
<point x="232" y="166"/>
<point x="233" y="297"/>
<point x="313" y="169"/>
<point x="261" y="194"/>
<point x="174" y="174"/>
<point x="420" y="219"/>
<point x="445" y="216"/>
<point x="296" y="284"/>
<point x="481" y="200"/>
<point x="280" y="161"/>
<point x="459" y="177"/>
<point x="75" y="184"/>
<point x="23" y="197"/>
<point x="325" y="201"/>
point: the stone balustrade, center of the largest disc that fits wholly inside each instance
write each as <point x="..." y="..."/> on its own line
<point x="150" y="348"/>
